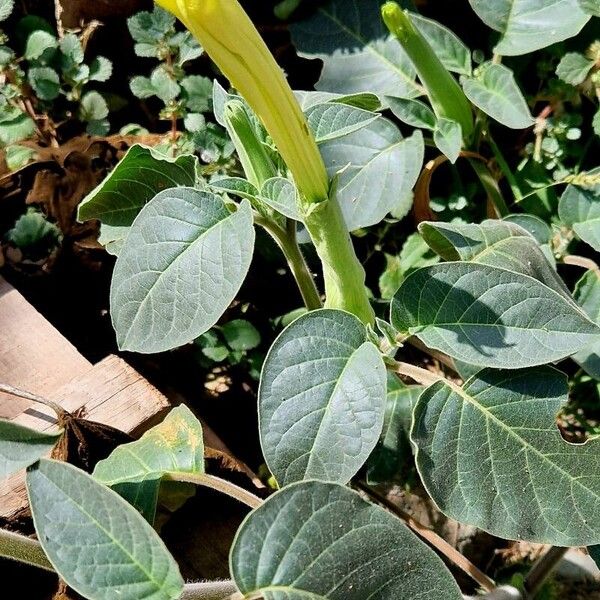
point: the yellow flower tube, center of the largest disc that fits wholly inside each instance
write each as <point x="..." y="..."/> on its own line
<point x="230" y="39"/>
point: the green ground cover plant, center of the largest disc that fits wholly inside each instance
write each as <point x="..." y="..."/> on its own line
<point x="400" y="96"/>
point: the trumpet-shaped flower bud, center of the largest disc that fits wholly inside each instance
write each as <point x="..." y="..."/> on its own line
<point x="230" y="39"/>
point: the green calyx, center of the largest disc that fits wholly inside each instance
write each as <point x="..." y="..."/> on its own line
<point x="446" y="96"/>
<point x="253" y="155"/>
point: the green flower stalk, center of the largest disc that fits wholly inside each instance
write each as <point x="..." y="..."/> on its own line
<point x="446" y="96"/>
<point x="229" y="37"/>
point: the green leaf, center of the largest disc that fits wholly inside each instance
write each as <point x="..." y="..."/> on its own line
<point x="18" y="156"/>
<point x="491" y="455"/>
<point x="528" y="25"/>
<point x="100" y="69"/>
<point x="365" y="101"/>
<point x="194" y="122"/>
<point x="99" y="127"/>
<point x="6" y="8"/>
<point x="497" y="244"/>
<point x="321" y="399"/>
<point x="596" y="123"/>
<point x="72" y="50"/>
<point x="534" y="226"/>
<point x="21" y="446"/>
<point x="412" y="112"/>
<point x="182" y="264"/>
<point x="100" y="545"/>
<point x="579" y="208"/>
<point x="587" y="294"/>
<point x="379" y="169"/>
<point x="320" y="541"/>
<point x="151" y="27"/>
<point x="240" y="335"/>
<point x="357" y="53"/>
<point x="281" y="195"/>
<point x="140" y="175"/>
<point x="448" y="138"/>
<point x="93" y="107"/>
<point x="393" y="449"/>
<point x="175" y="445"/>
<point x="38" y="42"/>
<point x="141" y="87"/>
<point x="45" y="82"/>
<point x="574" y="68"/>
<point x="332" y="120"/>
<point x="187" y="47"/>
<point x="497" y="94"/>
<point x="15" y="126"/>
<point x="489" y="316"/>
<point x="592" y="7"/>
<point x="198" y="93"/>
<point x="448" y="47"/>
<point x="32" y="229"/>
<point x="164" y="85"/>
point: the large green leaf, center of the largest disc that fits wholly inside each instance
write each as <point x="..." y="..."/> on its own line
<point x="175" y="445"/>
<point x="491" y="455"/>
<point x="587" y="294"/>
<point x="321" y="398"/>
<point x="322" y="541"/>
<point x="448" y="138"/>
<point x="489" y="316"/>
<point x="393" y="451"/>
<point x="497" y="94"/>
<point x="182" y="264"/>
<point x="331" y="120"/>
<point x="15" y="125"/>
<point x="139" y="176"/>
<point x="100" y="545"/>
<point x="497" y="244"/>
<point x="412" y="112"/>
<point x="580" y="208"/>
<point x="379" y="170"/>
<point x="528" y="25"/>
<point x="357" y="53"/>
<point x="21" y="446"/>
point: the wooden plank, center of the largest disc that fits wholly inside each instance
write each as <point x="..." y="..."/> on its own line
<point x="33" y="355"/>
<point x="111" y="393"/>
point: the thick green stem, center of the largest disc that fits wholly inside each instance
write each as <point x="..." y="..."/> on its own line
<point x="491" y="187"/>
<point x="343" y="274"/>
<point x="23" y="549"/>
<point x="286" y="240"/>
<point x="446" y="96"/>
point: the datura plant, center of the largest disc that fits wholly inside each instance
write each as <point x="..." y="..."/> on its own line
<point x="339" y="408"/>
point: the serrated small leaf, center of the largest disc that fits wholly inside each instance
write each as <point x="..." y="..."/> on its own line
<point x="45" y="82"/>
<point x="140" y="175"/>
<point x="587" y="295"/>
<point x="412" y="112"/>
<point x="573" y="68"/>
<point x="72" y="50"/>
<point x="240" y="335"/>
<point x="15" y="126"/>
<point x="596" y="123"/>
<point x="332" y="120"/>
<point x="93" y="107"/>
<point x="198" y="92"/>
<point x="322" y="541"/>
<point x="579" y="208"/>
<point x="151" y="27"/>
<point x="141" y="87"/>
<point x="491" y="455"/>
<point x="6" y="8"/>
<point x="194" y="122"/>
<point x="182" y="264"/>
<point x="100" y="545"/>
<point x="37" y="43"/>
<point x="321" y="398"/>
<point x="101" y="69"/>
<point x="164" y="85"/>
<point x="99" y="127"/>
<point x="497" y="94"/>
<point x="20" y="446"/>
<point x="187" y="47"/>
<point x="357" y="52"/>
<point x="489" y="316"/>
<point x="448" y="138"/>
<point x="528" y="25"/>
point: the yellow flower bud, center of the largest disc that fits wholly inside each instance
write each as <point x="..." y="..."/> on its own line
<point x="230" y="39"/>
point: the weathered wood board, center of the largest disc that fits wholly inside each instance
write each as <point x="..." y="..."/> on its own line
<point x="35" y="357"/>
